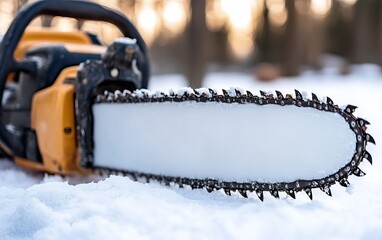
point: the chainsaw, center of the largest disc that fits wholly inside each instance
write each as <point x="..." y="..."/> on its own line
<point x="72" y="105"/>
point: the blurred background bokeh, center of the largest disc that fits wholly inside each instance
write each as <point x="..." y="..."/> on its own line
<point x="264" y="38"/>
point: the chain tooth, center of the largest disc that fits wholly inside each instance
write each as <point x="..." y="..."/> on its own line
<point x="279" y="95"/>
<point x="370" y="139"/>
<point x="134" y="177"/>
<point x="308" y="191"/>
<point x="326" y="189"/>
<point x="368" y="157"/>
<point x="298" y="95"/>
<point x="213" y="93"/>
<point x="291" y="193"/>
<point x="275" y="193"/>
<point x="314" y="97"/>
<point x="262" y="93"/>
<point x="350" y="109"/>
<point x="243" y="193"/>
<point x="227" y="191"/>
<point x="225" y="93"/>
<point x="260" y="194"/>
<point x="249" y="94"/>
<point x="344" y="182"/>
<point x="196" y="184"/>
<point x="358" y="172"/>
<point x="238" y="93"/>
<point x="362" y="122"/>
<point x="147" y="179"/>
<point x="329" y="101"/>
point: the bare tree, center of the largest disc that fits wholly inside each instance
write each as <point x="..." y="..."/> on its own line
<point x="291" y="58"/>
<point x="46" y="21"/>
<point x="363" y="32"/>
<point x="196" y="54"/>
<point x="19" y="4"/>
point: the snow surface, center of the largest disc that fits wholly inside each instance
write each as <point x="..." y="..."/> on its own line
<point x="229" y="142"/>
<point x="126" y="40"/>
<point x="34" y="206"/>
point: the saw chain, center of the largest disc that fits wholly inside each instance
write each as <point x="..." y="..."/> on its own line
<point x="239" y="96"/>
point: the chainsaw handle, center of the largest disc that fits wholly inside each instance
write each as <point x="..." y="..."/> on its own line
<point x="64" y="8"/>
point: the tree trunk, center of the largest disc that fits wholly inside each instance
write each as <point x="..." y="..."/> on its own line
<point x="46" y="21"/>
<point x="363" y="32"/>
<point x="196" y="37"/>
<point x="379" y="35"/>
<point x="291" y="58"/>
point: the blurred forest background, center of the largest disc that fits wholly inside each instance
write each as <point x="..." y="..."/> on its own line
<point x="266" y="38"/>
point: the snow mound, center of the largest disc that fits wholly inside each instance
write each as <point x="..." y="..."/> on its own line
<point x="117" y="208"/>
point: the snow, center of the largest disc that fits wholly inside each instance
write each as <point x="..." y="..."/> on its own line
<point x="36" y="206"/>
<point x="147" y="138"/>
<point x="205" y="91"/>
<point x="183" y="90"/>
<point x="126" y="40"/>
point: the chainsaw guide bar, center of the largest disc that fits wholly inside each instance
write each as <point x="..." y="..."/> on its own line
<point x="239" y="96"/>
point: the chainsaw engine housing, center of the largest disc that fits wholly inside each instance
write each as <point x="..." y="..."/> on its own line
<point x="38" y="123"/>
